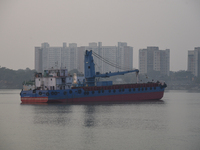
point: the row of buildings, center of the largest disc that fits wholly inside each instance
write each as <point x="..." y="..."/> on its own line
<point x="71" y="57"/>
<point x="107" y="58"/>
<point x="119" y="57"/>
<point x="153" y="59"/>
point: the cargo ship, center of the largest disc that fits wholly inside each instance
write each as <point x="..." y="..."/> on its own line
<point x="56" y="85"/>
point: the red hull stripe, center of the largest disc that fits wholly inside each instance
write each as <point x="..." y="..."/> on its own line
<point x="109" y="98"/>
<point x="34" y="99"/>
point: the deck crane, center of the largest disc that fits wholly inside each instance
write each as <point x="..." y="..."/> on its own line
<point x="90" y="74"/>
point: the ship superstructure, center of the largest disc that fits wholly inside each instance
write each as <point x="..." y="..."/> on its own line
<point x="56" y="79"/>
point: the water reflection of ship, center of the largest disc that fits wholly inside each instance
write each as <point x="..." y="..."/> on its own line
<point x="89" y="115"/>
<point x="76" y="115"/>
<point x="52" y="114"/>
<point x="61" y="114"/>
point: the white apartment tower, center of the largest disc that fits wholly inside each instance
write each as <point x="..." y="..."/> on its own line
<point x="47" y="57"/>
<point x="124" y="56"/>
<point x="38" y="59"/>
<point x="153" y="59"/>
<point x="194" y="61"/>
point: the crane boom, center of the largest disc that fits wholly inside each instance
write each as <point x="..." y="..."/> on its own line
<point x="115" y="73"/>
<point x="90" y="70"/>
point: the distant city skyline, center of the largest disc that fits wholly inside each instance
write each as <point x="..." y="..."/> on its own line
<point x="187" y="65"/>
<point x="170" y="24"/>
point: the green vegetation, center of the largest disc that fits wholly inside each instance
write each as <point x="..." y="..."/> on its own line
<point x="13" y="79"/>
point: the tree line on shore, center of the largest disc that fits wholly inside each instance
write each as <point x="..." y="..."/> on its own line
<point x="14" y="79"/>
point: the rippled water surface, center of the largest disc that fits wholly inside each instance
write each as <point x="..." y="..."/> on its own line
<point x="172" y="123"/>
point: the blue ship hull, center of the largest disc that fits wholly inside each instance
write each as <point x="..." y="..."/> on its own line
<point x="127" y="92"/>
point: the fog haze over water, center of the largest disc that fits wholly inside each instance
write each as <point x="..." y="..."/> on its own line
<point x="171" y="24"/>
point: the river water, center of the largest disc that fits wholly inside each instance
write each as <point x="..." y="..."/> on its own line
<point x="171" y="123"/>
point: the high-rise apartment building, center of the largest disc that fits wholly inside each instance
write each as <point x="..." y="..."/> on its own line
<point x="47" y="57"/>
<point x="153" y="59"/>
<point x="190" y="64"/>
<point x="124" y="56"/>
<point x="194" y="61"/>
<point x="38" y="59"/>
<point x="80" y="58"/>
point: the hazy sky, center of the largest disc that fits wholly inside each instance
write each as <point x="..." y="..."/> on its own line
<point x="24" y="24"/>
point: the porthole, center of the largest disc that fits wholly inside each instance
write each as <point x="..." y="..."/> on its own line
<point x="79" y="91"/>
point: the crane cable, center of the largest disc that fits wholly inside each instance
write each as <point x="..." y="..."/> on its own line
<point x="109" y="62"/>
